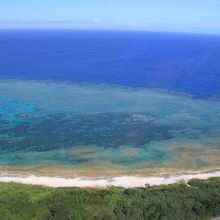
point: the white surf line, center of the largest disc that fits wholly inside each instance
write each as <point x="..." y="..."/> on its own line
<point x="121" y="181"/>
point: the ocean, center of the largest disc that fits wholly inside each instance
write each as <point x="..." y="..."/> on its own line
<point x="183" y="62"/>
<point x="109" y="99"/>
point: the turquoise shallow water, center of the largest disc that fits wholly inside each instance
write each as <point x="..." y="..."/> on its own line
<point x="73" y="125"/>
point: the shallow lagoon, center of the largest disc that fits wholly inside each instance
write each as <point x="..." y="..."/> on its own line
<point x="46" y="124"/>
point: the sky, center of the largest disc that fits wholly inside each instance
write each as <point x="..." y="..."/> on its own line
<point x="197" y="16"/>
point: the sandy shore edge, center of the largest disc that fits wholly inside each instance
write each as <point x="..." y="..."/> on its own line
<point x="103" y="182"/>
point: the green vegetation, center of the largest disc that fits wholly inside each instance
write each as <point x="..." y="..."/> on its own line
<point x="199" y="200"/>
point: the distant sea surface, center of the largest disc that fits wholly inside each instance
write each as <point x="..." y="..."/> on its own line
<point x="182" y="62"/>
<point x="120" y="100"/>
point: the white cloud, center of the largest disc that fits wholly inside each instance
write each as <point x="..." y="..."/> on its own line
<point x="131" y="23"/>
<point x="97" y="21"/>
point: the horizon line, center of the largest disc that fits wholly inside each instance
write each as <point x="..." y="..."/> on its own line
<point x="109" y="30"/>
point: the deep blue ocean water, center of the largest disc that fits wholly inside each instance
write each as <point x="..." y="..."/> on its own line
<point x="183" y="62"/>
<point x="130" y="100"/>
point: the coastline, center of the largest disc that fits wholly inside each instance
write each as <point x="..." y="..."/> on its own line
<point x="125" y="181"/>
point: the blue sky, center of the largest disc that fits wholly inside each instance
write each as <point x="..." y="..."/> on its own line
<point x="200" y="16"/>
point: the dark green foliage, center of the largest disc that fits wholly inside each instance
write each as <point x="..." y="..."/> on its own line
<point x="198" y="201"/>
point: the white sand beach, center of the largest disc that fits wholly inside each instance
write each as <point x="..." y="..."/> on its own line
<point x="102" y="182"/>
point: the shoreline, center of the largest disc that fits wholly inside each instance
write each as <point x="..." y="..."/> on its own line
<point x="125" y="181"/>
